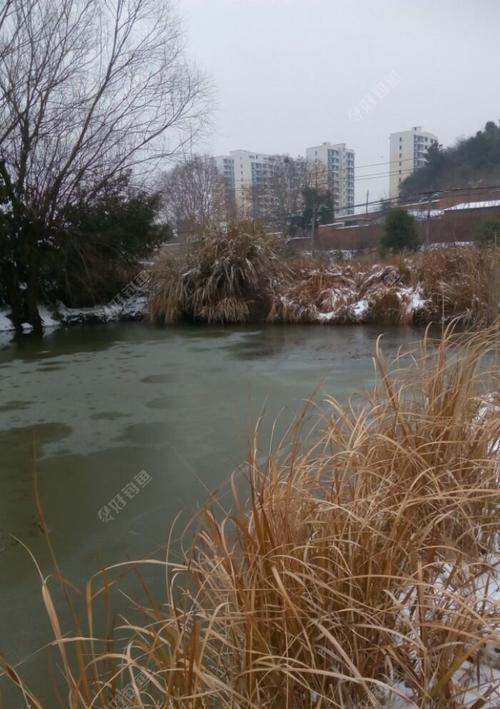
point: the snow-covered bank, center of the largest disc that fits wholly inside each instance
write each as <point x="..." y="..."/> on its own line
<point x="132" y="309"/>
<point x="5" y="322"/>
<point x="341" y="295"/>
<point x="59" y="315"/>
<point x="476" y="682"/>
<point x="420" y="288"/>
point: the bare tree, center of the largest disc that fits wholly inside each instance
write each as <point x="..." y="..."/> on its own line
<point x="194" y="194"/>
<point x="280" y="194"/>
<point x="277" y="192"/>
<point x="286" y="186"/>
<point x="89" y="90"/>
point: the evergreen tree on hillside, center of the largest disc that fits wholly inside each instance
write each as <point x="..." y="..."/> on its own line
<point x="472" y="162"/>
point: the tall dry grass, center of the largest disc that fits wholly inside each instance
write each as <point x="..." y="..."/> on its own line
<point x="461" y="282"/>
<point x="240" y="274"/>
<point x="224" y="275"/>
<point x="352" y="576"/>
<point x="430" y="286"/>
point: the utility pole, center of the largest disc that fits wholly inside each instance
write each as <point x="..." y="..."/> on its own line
<point x="367" y="198"/>
<point x="428" y="224"/>
<point x="313" y="222"/>
<point x="314" y="208"/>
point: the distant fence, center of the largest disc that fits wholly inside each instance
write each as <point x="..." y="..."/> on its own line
<point x="448" y="228"/>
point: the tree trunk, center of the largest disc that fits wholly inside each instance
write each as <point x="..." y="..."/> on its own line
<point x="31" y="292"/>
<point x="14" y="296"/>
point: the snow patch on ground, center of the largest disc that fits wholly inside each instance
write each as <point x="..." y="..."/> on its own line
<point x="413" y="298"/>
<point x="360" y="308"/>
<point x="48" y="320"/>
<point x="132" y="309"/>
<point x="478" y="679"/>
<point x="59" y="315"/>
<point x="5" y="322"/>
<point x="327" y="317"/>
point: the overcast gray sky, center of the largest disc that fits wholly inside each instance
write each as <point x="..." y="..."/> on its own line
<point x="292" y="73"/>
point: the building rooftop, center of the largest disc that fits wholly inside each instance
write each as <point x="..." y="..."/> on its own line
<point x="475" y="205"/>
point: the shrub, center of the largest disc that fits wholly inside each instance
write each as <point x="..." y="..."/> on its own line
<point x="400" y="232"/>
<point x="222" y="276"/>
<point x="242" y="274"/>
<point x="489" y="232"/>
<point x="102" y="245"/>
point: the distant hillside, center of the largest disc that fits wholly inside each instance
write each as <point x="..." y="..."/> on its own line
<point x="473" y="162"/>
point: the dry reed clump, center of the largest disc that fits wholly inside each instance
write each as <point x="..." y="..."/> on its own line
<point x="241" y="274"/>
<point x="344" y="293"/>
<point x="436" y="285"/>
<point x="461" y="282"/>
<point x="223" y="276"/>
<point x="309" y="293"/>
<point x="360" y="573"/>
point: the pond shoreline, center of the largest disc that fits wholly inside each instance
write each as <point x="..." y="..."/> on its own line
<point x="420" y="530"/>
<point x="57" y="315"/>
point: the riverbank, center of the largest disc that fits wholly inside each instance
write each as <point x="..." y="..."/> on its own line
<point x="355" y="568"/>
<point x="244" y="276"/>
<point x="58" y="315"/>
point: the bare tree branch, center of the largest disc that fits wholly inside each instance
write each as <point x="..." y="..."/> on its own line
<point x="92" y="88"/>
<point x="194" y="194"/>
<point x="89" y="90"/>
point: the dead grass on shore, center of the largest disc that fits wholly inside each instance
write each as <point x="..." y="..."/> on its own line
<point x="461" y="282"/>
<point x="351" y="577"/>
<point x="430" y="286"/>
<point x="222" y="276"/>
<point x="242" y="274"/>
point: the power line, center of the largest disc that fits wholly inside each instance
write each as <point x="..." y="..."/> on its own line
<point x="387" y="162"/>
<point x="379" y="175"/>
<point x="397" y="200"/>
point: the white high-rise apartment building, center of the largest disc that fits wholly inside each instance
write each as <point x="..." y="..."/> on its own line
<point x="338" y="162"/>
<point x="406" y="153"/>
<point x="243" y="171"/>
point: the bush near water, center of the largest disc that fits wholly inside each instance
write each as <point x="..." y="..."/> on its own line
<point x="242" y="274"/>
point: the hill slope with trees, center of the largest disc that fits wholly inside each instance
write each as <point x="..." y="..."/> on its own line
<point x="472" y="162"/>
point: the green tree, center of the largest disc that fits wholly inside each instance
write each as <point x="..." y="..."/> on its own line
<point x="318" y="204"/>
<point x="400" y="232"/>
<point x="472" y="162"/>
<point x="99" y="249"/>
<point x="489" y="231"/>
